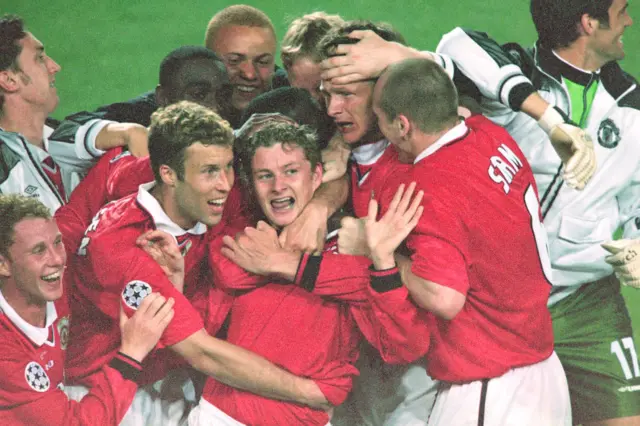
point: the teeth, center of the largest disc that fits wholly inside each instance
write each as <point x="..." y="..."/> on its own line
<point x="218" y="203"/>
<point x="52" y="277"/>
<point x="282" y="203"/>
<point x="247" y="89"/>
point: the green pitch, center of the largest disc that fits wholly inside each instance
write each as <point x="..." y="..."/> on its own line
<point x="110" y="51"/>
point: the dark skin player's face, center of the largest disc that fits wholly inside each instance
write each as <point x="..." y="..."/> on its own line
<point x="202" y="81"/>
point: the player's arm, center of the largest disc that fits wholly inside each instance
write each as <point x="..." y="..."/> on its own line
<point x="114" y="387"/>
<point x="131" y="135"/>
<point x="242" y="369"/>
<point x="335" y="158"/>
<point x="307" y="233"/>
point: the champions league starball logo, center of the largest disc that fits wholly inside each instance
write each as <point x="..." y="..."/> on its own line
<point x="135" y="292"/>
<point x="36" y="377"/>
<point x="608" y="134"/>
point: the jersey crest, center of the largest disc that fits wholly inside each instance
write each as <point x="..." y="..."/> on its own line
<point x="36" y="377"/>
<point x="63" y="332"/>
<point x="608" y="134"/>
<point x="135" y="292"/>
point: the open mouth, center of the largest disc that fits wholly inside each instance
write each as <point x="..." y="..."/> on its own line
<point x="282" y="204"/>
<point x="344" y="126"/>
<point x="52" y="278"/>
<point x="218" y="204"/>
<point x="246" y="89"/>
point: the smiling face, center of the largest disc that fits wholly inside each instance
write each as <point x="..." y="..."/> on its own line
<point x="33" y="269"/>
<point x="284" y="182"/>
<point x="198" y="80"/>
<point x="36" y="75"/>
<point x="208" y="178"/>
<point x="350" y="106"/>
<point x="248" y="53"/>
<point x="605" y="42"/>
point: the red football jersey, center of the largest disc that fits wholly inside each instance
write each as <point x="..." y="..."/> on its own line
<point x="375" y="173"/>
<point x="110" y="271"/>
<point x="480" y="235"/>
<point x="312" y="328"/>
<point x="31" y="383"/>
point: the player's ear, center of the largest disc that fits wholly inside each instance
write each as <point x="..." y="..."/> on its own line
<point x="403" y="125"/>
<point x="161" y="96"/>
<point x="317" y="176"/>
<point x="5" y="268"/>
<point x="168" y="175"/>
<point x="588" y="24"/>
<point x="8" y="81"/>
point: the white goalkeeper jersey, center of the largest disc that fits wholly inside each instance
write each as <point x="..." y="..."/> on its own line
<point x="577" y="222"/>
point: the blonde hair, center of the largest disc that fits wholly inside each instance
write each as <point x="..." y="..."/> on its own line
<point x="238" y="14"/>
<point x="304" y="34"/>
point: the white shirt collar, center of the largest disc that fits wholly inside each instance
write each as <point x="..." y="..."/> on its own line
<point x="454" y="133"/>
<point x="573" y="66"/>
<point x="370" y="153"/>
<point x="37" y="335"/>
<point x="160" y="218"/>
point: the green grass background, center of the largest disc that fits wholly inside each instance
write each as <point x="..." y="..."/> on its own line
<point x="110" y="50"/>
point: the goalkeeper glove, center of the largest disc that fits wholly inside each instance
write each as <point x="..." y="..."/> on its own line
<point x="625" y="260"/>
<point x="573" y="145"/>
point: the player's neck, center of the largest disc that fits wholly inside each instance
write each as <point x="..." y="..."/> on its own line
<point x="33" y="312"/>
<point x="578" y="56"/>
<point x="20" y="119"/>
<point x="166" y="199"/>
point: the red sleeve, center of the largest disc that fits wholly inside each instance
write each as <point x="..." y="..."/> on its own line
<point x="338" y="276"/>
<point x="391" y="322"/>
<point x="127" y="175"/>
<point x="439" y="245"/>
<point x="106" y="404"/>
<point x="85" y="201"/>
<point x="127" y="274"/>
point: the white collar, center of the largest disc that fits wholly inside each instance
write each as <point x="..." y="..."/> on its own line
<point x="160" y="218"/>
<point x="454" y="133"/>
<point x="370" y="153"/>
<point x="37" y="335"/>
<point x="573" y="66"/>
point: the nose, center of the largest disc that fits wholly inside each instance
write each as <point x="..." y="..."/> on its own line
<point x="53" y="66"/>
<point x="278" y="183"/>
<point x="334" y="106"/>
<point x="226" y="181"/>
<point x="248" y="71"/>
<point x="58" y="256"/>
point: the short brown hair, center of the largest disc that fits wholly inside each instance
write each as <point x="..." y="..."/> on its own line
<point x="422" y="91"/>
<point x="175" y="128"/>
<point x="274" y="132"/>
<point x="15" y="208"/>
<point x="304" y="34"/>
<point x="238" y="14"/>
<point x="340" y="35"/>
<point x="11" y="32"/>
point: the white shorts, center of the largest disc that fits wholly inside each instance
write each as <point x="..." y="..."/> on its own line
<point x="386" y="394"/>
<point x="166" y="402"/>
<point x="207" y="414"/>
<point x="534" y="395"/>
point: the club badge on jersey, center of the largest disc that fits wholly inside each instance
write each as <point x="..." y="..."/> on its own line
<point x="63" y="332"/>
<point x="608" y="134"/>
<point x="134" y="293"/>
<point x="36" y="377"/>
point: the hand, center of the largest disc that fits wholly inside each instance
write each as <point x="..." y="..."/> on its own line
<point x="625" y="260"/>
<point x="254" y="250"/>
<point x="141" y="332"/>
<point x="364" y="60"/>
<point x="384" y="236"/>
<point x="574" y="147"/>
<point x="258" y="120"/>
<point x="352" y="238"/>
<point x="335" y="158"/>
<point x="308" y="232"/>
<point x="164" y="249"/>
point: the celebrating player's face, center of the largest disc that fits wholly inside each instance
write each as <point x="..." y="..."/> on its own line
<point x="200" y="81"/>
<point x="35" y="263"/>
<point x="37" y="74"/>
<point x="248" y="54"/>
<point x="208" y="177"/>
<point x="350" y="107"/>
<point x="606" y="40"/>
<point x="284" y="182"/>
<point x="305" y="74"/>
